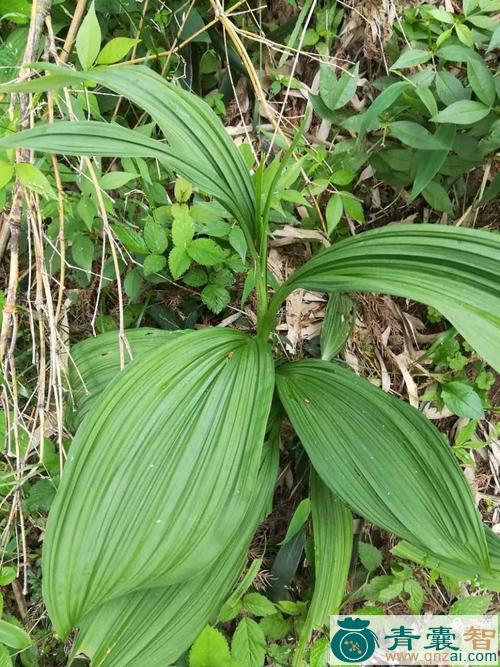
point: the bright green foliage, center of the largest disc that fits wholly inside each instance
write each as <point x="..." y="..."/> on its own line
<point x="87" y="138"/>
<point x="88" y="39"/>
<point x="210" y="650"/>
<point x="249" y="643"/>
<point x="200" y="149"/>
<point x="336" y="93"/>
<point x="370" y="556"/>
<point x="110" y="533"/>
<point x="333" y="534"/>
<point x="471" y="605"/>
<point x="12" y="636"/>
<point x="461" y="399"/>
<point x="452" y="269"/>
<point x="96" y="361"/>
<point x="5" y="659"/>
<point x="162" y="491"/>
<point x="333" y="531"/>
<point x="337" y="325"/>
<point x="383" y="458"/>
<point x="154" y="627"/>
<point x="299" y="518"/>
<point x="388" y="587"/>
<point x="115" y="50"/>
<point x="480" y="576"/>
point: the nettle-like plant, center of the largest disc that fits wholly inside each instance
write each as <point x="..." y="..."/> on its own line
<point x="175" y="458"/>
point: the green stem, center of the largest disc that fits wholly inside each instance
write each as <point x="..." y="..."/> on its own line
<point x="261" y="259"/>
<point x="261" y="289"/>
<point x="305" y="636"/>
<point x="268" y="323"/>
<point x="266" y="312"/>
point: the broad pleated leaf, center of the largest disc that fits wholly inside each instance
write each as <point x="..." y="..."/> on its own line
<point x="152" y="628"/>
<point x="95" y="362"/>
<point x="87" y="138"/>
<point x="384" y="458"/>
<point x="199" y="146"/>
<point x="159" y="473"/>
<point x="478" y="576"/>
<point x="333" y="535"/>
<point x="454" y="270"/>
<point x="338" y="323"/>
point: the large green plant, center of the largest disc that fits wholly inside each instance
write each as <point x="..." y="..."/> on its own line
<point x="168" y="474"/>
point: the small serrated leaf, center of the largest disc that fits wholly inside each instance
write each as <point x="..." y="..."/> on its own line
<point x="178" y="262"/>
<point x="472" y="605"/>
<point x="462" y="400"/>
<point x="238" y="241"/>
<point x="416" y="593"/>
<point x="215" y="297"/>
<point x="182" y="190"/>
<point x="249" y="643"/>
<point x="156" y="237"/>
<point x="210" y="649"/>
<point x="257" y="604"/>
<point x="33" y="179"/>
<point x="370" y="556"/>
<point x="206" y="252"/>
<point x="275" y="626"/>
<point x="182" y="225"/>
<point x="390" y="592"/>
<point x="154" y="264"/>
<point x="7" y="575"/>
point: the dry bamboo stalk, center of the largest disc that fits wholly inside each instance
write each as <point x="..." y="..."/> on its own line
<point x="11" y="225"/>
<point x="73" y="30"/>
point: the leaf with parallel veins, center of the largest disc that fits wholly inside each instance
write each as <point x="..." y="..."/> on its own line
<point x="159" y="473"/>
<point x="383" y="458"/>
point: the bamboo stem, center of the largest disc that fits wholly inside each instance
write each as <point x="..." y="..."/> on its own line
<point x="73" y="30"/>
<point x="11" y="225"/>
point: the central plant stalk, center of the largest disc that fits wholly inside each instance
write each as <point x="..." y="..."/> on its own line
<point x="261" y="281"/>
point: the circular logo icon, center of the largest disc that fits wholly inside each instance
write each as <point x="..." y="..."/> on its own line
<point x="354" y="642"/>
